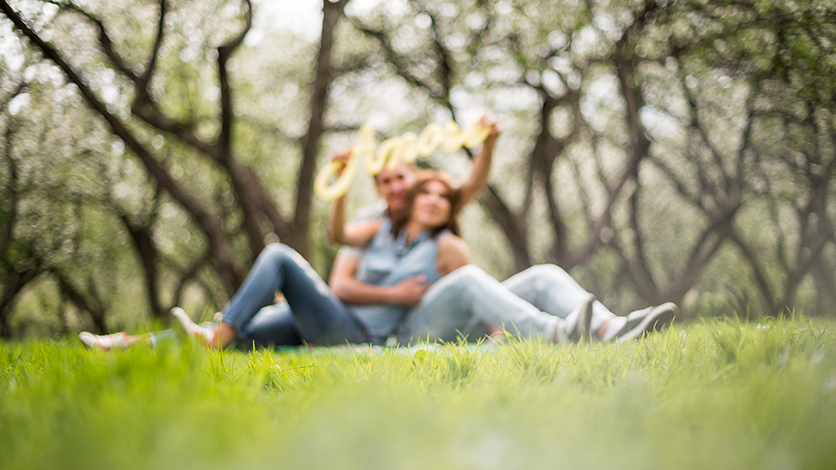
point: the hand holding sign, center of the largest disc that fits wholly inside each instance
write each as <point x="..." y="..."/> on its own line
<point x="392" y="152"/>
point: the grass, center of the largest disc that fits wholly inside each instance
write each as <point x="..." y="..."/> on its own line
<point x="721" y="394"/>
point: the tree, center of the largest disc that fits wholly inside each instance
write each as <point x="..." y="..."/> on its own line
<point x="623" y="138"/>
<point x="156" y="106"/>
<point x="256" y="206"/>
<point x="661" y="150"/>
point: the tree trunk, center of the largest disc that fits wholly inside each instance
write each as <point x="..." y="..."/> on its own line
<point x="331" y="13"/>
<point x="148" y="257"/>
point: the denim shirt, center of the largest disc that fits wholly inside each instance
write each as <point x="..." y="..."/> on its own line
<point x="388" y="260"/>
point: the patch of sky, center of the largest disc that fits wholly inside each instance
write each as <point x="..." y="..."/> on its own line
<point x="659" y="124"/>
<point x="585" y="40"/>
<point x="17" y="103"/>
<point x="601" y="91"/>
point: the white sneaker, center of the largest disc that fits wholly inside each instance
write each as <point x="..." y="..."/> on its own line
<point x="577" y="325"/>
<point x="641" y="322"/>
<point x="187" y="329"/>
<point x="104" y="342"/>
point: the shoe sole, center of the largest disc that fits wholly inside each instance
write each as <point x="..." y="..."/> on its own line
<point x="657" y="319"/>
<point x="181" y="324"/>
<point x="94" y="342"/>
<point x="87" y="340"/>
<point x="586" y="318"/>
<point x="584" y="322"/>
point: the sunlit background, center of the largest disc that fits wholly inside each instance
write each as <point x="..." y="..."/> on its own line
<point x="660" y="151"/>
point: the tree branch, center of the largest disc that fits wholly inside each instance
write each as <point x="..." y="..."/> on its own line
<point x="224" y="53"/>
<point x="151" y="66"/>
<point x="398" y="62"/>
<point x="13" y="194"/>
<point x="757" y="270"/>
<point x="92" y="307"/>
<point x="104" y="39"/>
<point x="211" y="227"/>
<point x="332" y="12"/>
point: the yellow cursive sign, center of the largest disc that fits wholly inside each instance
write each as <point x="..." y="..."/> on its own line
<point x="392" y="152"/>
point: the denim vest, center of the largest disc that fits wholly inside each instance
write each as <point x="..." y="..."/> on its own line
<point x="388" y="260"/>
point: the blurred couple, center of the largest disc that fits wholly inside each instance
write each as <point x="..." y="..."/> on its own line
<point x="403" y="275"/>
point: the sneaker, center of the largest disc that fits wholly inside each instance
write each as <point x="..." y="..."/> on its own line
<point x="187" y="329"/>
<point x="104" y="342"/>
<point x="650" y="319"/>
<point x="576" y="326"/>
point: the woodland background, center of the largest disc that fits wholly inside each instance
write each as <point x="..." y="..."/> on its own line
<point x="667" y="150"/>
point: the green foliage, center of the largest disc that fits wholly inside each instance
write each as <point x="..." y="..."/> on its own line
<point x="730" y="206"/>
<point x="721" y="394"/>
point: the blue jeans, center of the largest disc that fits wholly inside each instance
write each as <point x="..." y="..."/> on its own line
<point x="320" y="316"/>
<point x="272" y="326"/>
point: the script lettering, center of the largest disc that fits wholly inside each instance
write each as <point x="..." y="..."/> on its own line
<point x="392" y="152"/>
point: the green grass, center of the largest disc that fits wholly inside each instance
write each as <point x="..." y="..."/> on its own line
<point x="721" y="394"/>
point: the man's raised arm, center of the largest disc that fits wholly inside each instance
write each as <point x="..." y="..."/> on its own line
<point x="338" y="231"/>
